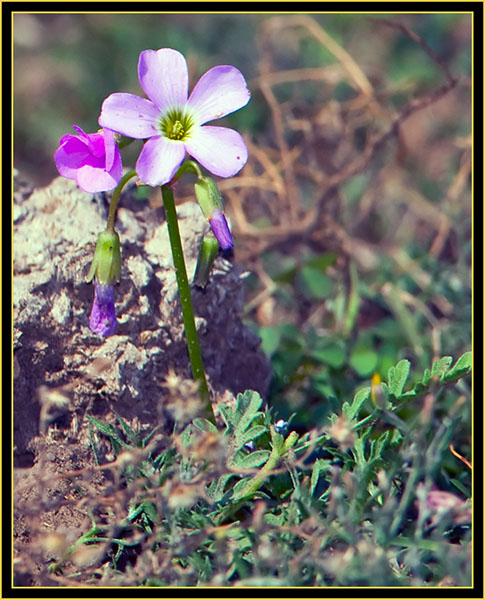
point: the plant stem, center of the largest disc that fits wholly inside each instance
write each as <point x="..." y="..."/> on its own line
<point x="110" y="226"/>
<point x="193" y="347"/>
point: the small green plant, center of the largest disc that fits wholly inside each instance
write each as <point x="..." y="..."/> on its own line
<point x="254" y="503"/>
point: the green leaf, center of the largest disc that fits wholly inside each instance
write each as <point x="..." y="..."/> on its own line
<point x="247" y="409"/>
<point x="426" y="377"/>
<point x="353" y="301"/>
<point x="216" y="490"/>
<point x="440" y="367"/>
<point x="462" y="367"/>
<point x="249" y="435"/>
<point x="319" y="466"/>
<point x="350" y="411"/>
<point x="363" y="360"/>
<point x="250" y="461"/>
<point x="461" y="487"/>
<point x="333" y="354"/>
<point x="314" y="284"/>
<point x="110" y="432"/>
<point x="322" y="261"/>
<point x="397" y="377"/>
<point x="148" y="437"/>
<point x="377" y="446"/>
<point x="205" y="425"/>
<point x="131" y="435"/>
<point x="270" y="339"/>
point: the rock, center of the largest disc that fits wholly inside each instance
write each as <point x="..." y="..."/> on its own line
<point x="55" y="234"/>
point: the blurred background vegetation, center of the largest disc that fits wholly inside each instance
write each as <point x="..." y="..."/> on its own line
<point x="353" y="214"/>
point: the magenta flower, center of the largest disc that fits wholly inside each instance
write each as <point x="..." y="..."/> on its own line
<point x="103" y="318"/>
<point x="92" y="159"/>
<point x="173" y="124"/>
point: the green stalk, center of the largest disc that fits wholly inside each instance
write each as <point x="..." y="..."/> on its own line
<point x="193" y="347"/>
<point x="110" y="226"/>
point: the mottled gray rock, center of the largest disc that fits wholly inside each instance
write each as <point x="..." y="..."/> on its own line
<point x="55" y="234"/>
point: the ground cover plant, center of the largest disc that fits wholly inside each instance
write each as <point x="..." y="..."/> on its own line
<point x="342" y="185"/>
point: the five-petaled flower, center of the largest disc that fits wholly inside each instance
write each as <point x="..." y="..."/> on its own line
<point x="173" y="124"/>
<point x="103" y="318"/>
<point x="92" y="159"/>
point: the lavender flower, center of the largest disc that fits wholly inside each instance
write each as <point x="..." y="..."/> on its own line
<point x="173" y="124"/>
<point x="103" y="318"/>
<point x="221" y="230"/>
<point x="92" y="159"/>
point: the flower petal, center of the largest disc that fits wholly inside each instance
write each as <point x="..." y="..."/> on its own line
<point x="158" y="160"/>
<point x="94" y="180"/>
<point x="110" y="148"/>
<point x="220" y="229"/>
<point x="129" y="115"/>
<point x="71" y="154"/>
<point x="164" y="77"/>
<point x="220" y="91"/>
<point x="220" y="150"/>
<point x="103" y="317"/>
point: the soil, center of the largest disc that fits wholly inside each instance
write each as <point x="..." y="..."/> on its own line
<point x="64" y="373"/>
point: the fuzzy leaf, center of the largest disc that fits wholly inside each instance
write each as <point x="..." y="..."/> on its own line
<point x="461" y="368"/>
<point x="440" y="367"/>
<point x="351" y="410"/>
<point x="426" y="377"/>
<point x="249" y="435"/>
<point x="228" y="415"/>
<point x="205" y="425"/>
<point x="110" y="432"/>
<point x="238" y="490"/>
<point x="397" y="377"/>
<point x="319" y="466"/>
<point x="250" y="461"/>
<point x="247" y="409"/>
<point x="216" y="490"/>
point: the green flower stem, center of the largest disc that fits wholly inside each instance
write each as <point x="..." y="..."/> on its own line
<point x="279" y="448"/>
<point x="114" y="200"/>
<point x="195" y="355"/>
<point x="189" y="166"/>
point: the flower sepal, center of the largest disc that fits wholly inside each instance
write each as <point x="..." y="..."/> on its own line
<point x="106" y="265"/>
<point x="210" y="202"/>
<point x="208" y="196"/>
<point x="208" y="251"/>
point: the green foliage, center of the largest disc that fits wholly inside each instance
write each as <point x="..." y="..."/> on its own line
<point x="246" y="503"/>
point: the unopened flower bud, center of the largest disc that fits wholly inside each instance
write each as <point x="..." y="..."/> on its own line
<point x="220" y="229"/>
<point x="103" y="317"/>
<point x="207" y="255"/>
<point x="210" y="201"/>
<point x="106" y="265"/>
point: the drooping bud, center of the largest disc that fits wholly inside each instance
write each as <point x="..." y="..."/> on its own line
<point x="103" y="317"/>
<point x="210" y="201"/>
<point x="209" y="248"/>
<point x="106" y="265"/>
<point x="221" y="230"/>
